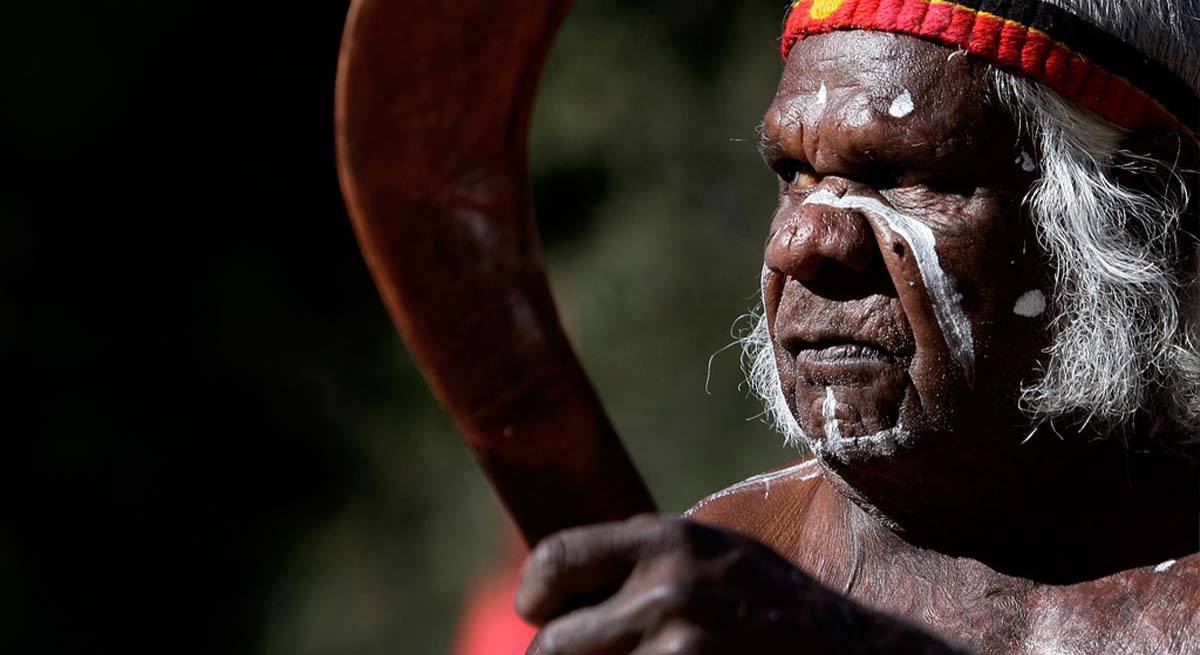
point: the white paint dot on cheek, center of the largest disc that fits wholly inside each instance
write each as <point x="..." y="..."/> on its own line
<point x="1025" y="161"/>
<point x="1031" y="305"/>
<point x="902" y="106"/>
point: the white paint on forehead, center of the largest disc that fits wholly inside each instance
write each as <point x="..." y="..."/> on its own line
<point x="956" y="329"/>
<point x="1165" y="566"/>
<point x="822" y="97"/>
<point x="902" y="106"/>
<point x="1031" y="305"/>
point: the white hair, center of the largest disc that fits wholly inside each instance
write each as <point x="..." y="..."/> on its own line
<point x="1125" y="313"/>
<point x="1126" y="324"/>
<point x="762" y="376"/>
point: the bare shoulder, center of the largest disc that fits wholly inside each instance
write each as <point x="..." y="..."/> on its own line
<point x="1149" y="609"/>
<point x="770" y="506"/>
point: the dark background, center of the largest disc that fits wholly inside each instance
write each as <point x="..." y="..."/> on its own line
<point x="215" y="442"/>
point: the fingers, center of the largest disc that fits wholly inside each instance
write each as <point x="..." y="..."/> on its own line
<point x="679" y="638"/>
<point x="658" y="584"/>
<point x="661" y="617"/>
<point x="582" y="562"/>
<point x="591" y="631"/>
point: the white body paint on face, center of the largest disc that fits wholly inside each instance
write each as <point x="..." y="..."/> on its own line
<point x="1165" y="566"/>
<point x="829" y="411"/>
<point x="945" y="298"/>
<point x="902" y="106"/>
<point x="1031" y="305"/>
<point x="1025" y="161"/>
<point x="847" y="449"/>
<point x="822" y="97"/>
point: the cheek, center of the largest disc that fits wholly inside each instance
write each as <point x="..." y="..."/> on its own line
<point x="1012" y="319"/>
<point x="980" y="261"/>
<point x="1005" y="284"/>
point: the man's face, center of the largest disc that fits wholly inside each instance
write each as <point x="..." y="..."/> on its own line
<point x="904" y="290"/>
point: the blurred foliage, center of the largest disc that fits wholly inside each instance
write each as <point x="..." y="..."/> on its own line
<point x="230" y="450"/>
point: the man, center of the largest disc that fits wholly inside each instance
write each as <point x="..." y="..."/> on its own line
<point x="980" y="318"/>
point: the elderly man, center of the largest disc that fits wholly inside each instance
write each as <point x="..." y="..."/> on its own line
<point x="980" y="318"/>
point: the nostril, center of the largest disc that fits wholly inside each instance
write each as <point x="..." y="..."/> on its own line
<point x="790" y="251"/>
<point x="838" y="282"/>
<point x="898" y="248"/>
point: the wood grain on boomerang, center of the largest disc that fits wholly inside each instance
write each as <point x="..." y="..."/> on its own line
<point x="433" y="109"/>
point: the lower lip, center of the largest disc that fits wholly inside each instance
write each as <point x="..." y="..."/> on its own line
<point x="843" y="365"/>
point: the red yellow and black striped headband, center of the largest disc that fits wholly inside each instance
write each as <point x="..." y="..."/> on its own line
<point x="1042" y="41"/>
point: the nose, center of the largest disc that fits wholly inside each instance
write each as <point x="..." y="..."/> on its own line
<point x="813" y="240"/>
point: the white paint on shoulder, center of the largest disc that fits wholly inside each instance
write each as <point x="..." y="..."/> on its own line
<point x="802" y="472"/>
<point x="956" y="329"/>
<point x="902" y="105"/>
<point x="1165" y="566"/>
<point x="1031" y="305"/>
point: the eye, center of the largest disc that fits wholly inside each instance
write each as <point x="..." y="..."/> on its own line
<point x="897" y="177"/>
<point x="796" y="173"/>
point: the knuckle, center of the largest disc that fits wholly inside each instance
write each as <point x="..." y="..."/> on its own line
<point x="670" y="598"/>
<point x="684" y="639"/>
<point x="546" y="643"/>
<point x="550" y="556"/>
<point x="671" y="533"/>
<point x="706" y="542"/>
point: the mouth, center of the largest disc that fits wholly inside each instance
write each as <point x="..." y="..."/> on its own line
<point x="840" y="353"/>
<point x="842" y="361"/>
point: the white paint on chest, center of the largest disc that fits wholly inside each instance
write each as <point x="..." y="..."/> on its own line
<point x="802" y="472"/>
<point x="947" y="308"/>
<point x="1165" y="566"/>
<point x="1031" y="305"/>
<point x="902" y="105"/>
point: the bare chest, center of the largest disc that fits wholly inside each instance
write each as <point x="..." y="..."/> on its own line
<point x="1150" y="610"/>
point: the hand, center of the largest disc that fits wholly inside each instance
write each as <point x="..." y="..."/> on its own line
<point x="663" y="585"/>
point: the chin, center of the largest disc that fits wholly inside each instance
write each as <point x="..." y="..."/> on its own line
<point x="858" y="415"/>
<point x="834" y="448"/>
<point x="874" y="435"/>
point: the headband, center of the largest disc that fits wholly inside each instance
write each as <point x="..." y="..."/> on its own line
<point x="1080" y="61"/>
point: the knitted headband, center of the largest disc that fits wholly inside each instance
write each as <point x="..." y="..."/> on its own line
<point x="1042" y="41"/>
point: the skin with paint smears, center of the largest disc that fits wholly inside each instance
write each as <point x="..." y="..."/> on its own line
<point x="907" y="302"/>
<point x="898" y="251"/>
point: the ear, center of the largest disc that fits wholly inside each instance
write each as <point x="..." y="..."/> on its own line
<point x="1179" y="156"/>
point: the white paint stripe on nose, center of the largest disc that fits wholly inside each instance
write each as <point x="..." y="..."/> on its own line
<point x="946" y="300"/>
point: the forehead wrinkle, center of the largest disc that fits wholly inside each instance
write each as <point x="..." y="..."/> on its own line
<point x="883" y="69"/>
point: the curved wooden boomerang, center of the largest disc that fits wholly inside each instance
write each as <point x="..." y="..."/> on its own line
<point x="433" y="109"/>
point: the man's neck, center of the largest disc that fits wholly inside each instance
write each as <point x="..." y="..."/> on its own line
<point x="1062" y="512"/>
